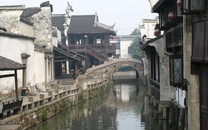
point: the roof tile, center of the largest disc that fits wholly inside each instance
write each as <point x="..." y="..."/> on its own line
<point x="7" y="64"/>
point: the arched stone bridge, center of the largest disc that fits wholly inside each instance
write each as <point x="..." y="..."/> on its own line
<point x="109" y="67"/>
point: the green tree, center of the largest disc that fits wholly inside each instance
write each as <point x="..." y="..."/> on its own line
<point x="136" y="32"/>
<point x="134" y="49"/>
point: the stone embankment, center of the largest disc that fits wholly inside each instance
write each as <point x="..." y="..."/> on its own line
<point x="175" y="115"/>
<point x="58" y="97"/>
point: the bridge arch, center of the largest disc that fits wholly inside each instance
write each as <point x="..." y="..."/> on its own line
<point x="121" y="64"/>
<point x="108" y="68"/>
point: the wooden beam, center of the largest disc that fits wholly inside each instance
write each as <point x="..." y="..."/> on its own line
<point x="63" y="60"/>
<point x="60" y="60"/>
<point x="7" y="75"/>
<point x="59" y="57"/>
<point x="16" y="84"/>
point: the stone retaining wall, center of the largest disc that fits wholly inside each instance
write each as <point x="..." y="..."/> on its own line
<point x="170" y="111"/>
<point x="37" y="111"/>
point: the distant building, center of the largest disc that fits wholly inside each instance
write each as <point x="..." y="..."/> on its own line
<point x="123" y="42"/>
<point x="68" y="63"/>
<point x="86" y="36"/>
<point x="148" y="28"/>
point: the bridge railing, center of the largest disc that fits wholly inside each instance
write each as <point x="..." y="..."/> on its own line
<point x="108" y="63"/>
<point x="94" y="84"/>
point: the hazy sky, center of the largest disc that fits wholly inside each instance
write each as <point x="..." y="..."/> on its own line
<point x="126" y="14"/>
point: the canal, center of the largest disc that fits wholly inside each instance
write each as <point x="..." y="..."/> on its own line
<point x="123" y="107"/>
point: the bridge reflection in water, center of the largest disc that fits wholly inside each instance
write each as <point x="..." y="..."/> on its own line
<point x="122" y="108"/>
<point x="125" y="91"/>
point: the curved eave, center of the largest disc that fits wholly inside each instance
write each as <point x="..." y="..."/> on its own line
<point x="156" y="7"/>
<point x="146" y="45"/>
<point x="143" y="47"/>
<point x="16" y="35"/>
<point x="9" y="69"/>
<point x="7" y="64"/>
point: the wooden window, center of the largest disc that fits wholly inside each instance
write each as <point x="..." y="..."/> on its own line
<point x="152" y="66"/>
<point x="206" y="41"/>
<point x="91" y="39"/>
<point x="72" y="40"/>
<point x="163" y="18"/>
<point x="204" y="121"/>
<point x="204" y="96"/>
<point x="200" y="41"/>
<point x="98" y="41"/>
<point x="179" y="11"/>
<point x="155" y="66"/>
<point x="169" y="14"/>
<point x="63" y="66"/>
<point x="193" y="6"/>
<point x="174" y="37"/>
<point x="176" y="71"/>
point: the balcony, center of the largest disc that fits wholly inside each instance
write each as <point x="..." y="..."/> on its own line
<point x="99" y="51"/>
<point x="174" y="37"/>
<point x="99" y="47"/>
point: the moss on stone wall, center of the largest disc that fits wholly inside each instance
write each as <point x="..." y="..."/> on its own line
<point x="40" y="114"/>
<point x="44" y="115"/>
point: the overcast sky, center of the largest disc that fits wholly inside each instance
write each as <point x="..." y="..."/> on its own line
<point x="126" y="14"/>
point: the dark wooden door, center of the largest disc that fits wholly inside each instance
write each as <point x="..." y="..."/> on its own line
<point x="204" y="97"/>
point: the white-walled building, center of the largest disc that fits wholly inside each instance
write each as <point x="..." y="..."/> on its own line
<point x="26" y="33"/>
<point x="148" y="28"/>
<point x="56" y="39"/>
<point x="123" y="42"/>
<point x="11" y="20"/>
<point x="13" y="46"/>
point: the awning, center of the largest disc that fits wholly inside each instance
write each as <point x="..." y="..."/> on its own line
<point x="67" y="55"/>
<point x="7" y="64"/>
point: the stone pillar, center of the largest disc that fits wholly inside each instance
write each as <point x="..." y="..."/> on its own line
<point x="46" y="70"/>
<point x="159" y="108"/>
<point x="76" y="69"/>
<point x="16" y="84"/>
<point x="24" y="57"/>
<point x="67" y="67"/>
<point x="193" y="90"/>
<point x="52" y="69"/>
<point x="24" y="78"/>
<point x="164" y="112"/>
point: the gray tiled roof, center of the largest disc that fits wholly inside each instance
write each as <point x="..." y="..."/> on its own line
<point x="27" y="13"/>
<point x="7" y="64"/>
<point x="13" y="35"/>
<point x="85" y="24"/>
<point x="58" y="20"/>
<point x="30" y="11"/>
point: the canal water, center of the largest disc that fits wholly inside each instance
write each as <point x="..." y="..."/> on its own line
<point x="123" y="107"/>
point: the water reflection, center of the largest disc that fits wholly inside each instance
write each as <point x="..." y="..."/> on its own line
<point x="121" y="108"/>
<point x="125" y="91"/>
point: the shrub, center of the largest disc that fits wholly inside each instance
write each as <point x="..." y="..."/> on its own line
<point x="44" y="116"/>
